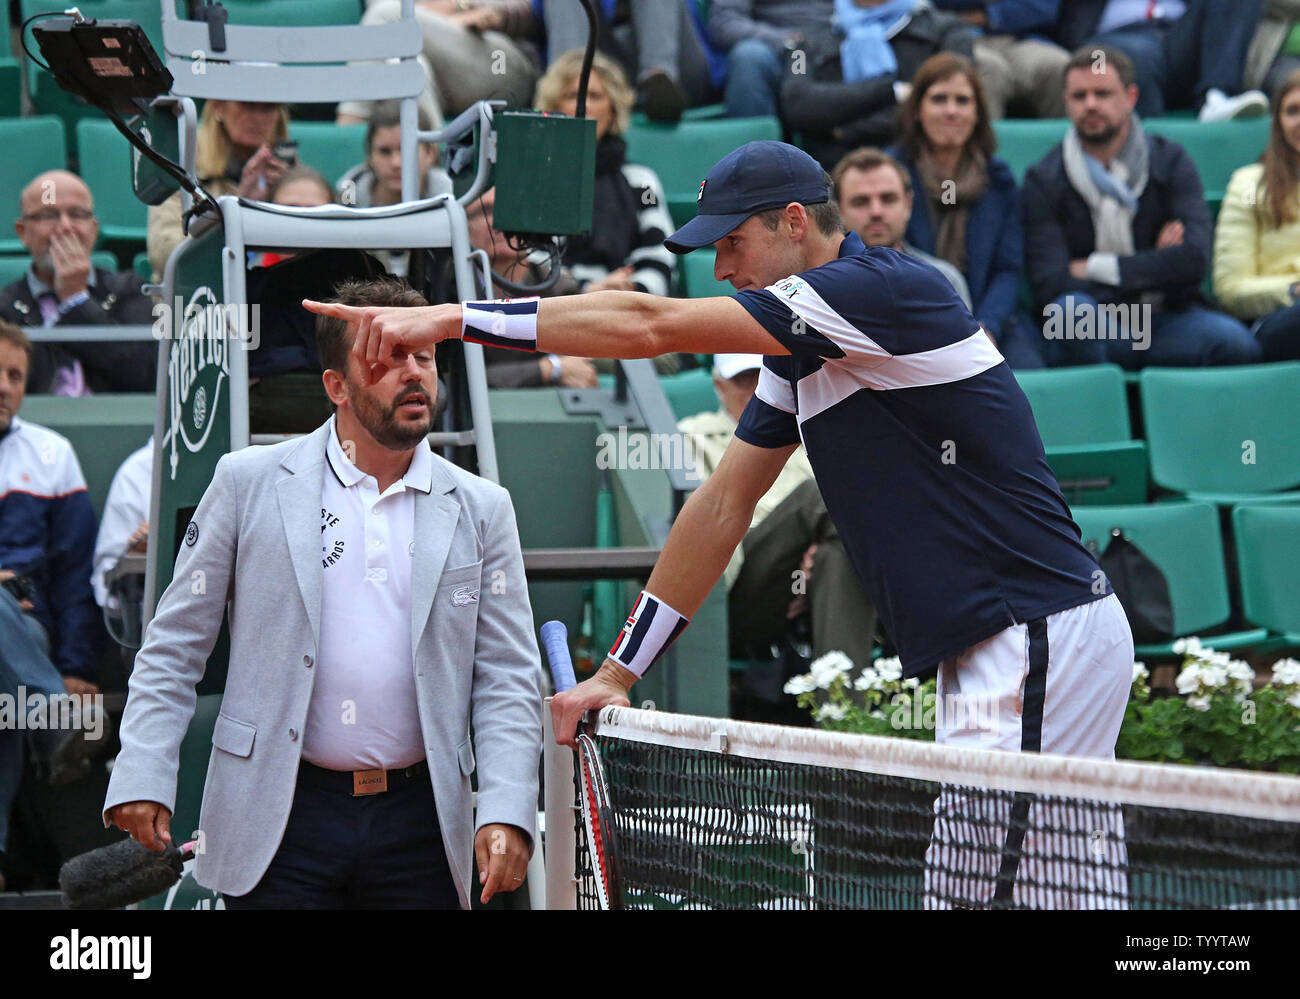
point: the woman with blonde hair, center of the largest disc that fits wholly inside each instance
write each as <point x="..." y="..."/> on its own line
<point x="232" y="156"/>
<point x="625" y="250"/>
<point x="1257" y="240"/>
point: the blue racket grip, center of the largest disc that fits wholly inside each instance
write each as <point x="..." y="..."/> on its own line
<point x="555" y="638"/>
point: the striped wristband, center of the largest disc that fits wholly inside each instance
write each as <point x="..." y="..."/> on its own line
<point x="505" y="322"/>
<point x="651" y="628"/>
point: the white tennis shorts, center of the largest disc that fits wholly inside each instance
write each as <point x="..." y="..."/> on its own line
<point x="1056" y="685"/>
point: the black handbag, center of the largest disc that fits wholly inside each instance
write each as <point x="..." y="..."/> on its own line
<point x="1141" y="587"/>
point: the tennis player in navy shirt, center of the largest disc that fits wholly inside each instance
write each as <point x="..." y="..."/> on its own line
<point x="925" y="451"/>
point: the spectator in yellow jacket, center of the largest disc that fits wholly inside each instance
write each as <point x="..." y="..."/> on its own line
<point x="1257" y="243"/>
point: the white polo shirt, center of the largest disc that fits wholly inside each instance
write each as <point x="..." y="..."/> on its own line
<point x="363" y="713"/>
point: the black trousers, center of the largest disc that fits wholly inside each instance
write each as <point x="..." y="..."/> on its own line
<point x="377" y="851"/>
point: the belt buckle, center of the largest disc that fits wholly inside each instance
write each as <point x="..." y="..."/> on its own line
<point x="369" y="782"/>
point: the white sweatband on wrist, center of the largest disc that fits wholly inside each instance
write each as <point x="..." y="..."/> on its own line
<point x="557" y="366"/>
<point x="651" y="628"/>
<point x="504" y="322"/>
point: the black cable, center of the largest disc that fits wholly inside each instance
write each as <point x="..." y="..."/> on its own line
<point x="554" y="257"/>
<point x="22" y="35"/>
<point x="588" y="57"/>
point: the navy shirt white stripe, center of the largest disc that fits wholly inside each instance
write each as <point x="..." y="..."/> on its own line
<point x="925" y="451"/>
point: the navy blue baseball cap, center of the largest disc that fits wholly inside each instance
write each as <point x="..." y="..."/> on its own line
<point x="749" y="180"/>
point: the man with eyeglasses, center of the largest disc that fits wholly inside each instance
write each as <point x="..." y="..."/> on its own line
<point x="61" y="288"/>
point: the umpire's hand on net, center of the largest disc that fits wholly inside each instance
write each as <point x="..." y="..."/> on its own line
<point x="609" y="686"/>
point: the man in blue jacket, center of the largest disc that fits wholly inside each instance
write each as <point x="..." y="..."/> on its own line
<point x="1017" y="60"/>
<point x="1117" y="236"/>
<point x="50" y="629"/>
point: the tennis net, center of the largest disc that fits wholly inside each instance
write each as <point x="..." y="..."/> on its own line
<point x="714" y="813"/>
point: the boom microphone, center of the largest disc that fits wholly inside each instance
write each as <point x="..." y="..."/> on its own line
<point x="120" y="874"/>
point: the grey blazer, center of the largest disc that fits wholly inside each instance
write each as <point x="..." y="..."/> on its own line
<point x="255" y="542"/>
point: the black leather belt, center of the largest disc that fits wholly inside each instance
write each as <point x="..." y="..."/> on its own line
<point x="342" y="781"/>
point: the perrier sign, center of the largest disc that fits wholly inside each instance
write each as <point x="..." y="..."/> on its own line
<point x="193" y="430"/>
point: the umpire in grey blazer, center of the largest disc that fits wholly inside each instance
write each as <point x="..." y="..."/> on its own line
<point x="363" y="643"/>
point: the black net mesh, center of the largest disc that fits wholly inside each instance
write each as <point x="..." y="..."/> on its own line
<point x="698" y="829"/>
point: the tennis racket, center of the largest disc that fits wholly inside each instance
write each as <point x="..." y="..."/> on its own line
<point x="593" y="790"/>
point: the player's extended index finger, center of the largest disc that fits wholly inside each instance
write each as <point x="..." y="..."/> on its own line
<point x="348" y="313"/>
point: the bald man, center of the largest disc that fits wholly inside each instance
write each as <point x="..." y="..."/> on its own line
<point x="57" y="225"/>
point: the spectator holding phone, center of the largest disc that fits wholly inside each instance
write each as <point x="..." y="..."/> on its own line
<point x="234" y="155"/>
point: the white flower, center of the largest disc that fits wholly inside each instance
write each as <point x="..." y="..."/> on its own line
<point x="1190" y="645"/>
<point x="825" y="669"/>
<point x="801" y="684"/>
<point x="1242" y="674"/>
<point x="912" y="682"/>
<point x="1189" y="679"/>
<point x="1214" y="676"/>
<point x="835" y="712"/>
<point x="1140" y="673"/>
<point x="1294" y="700"/>
<point x="889" y="669"/>
<point x="869" y="680"/>
<point x="1200" y="702"/>
<point x="1286" y="672"/>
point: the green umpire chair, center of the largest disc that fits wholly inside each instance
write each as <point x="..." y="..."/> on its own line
<point x="1185" y="542"/>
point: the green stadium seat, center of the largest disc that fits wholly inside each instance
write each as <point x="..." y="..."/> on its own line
<point x="103" y="430"/>
<point x="35" y="145"/>
<point x="697" y="276"/>
<point x="12" y="268"/>
<point x="122" y="216"/>
<point x="15" y="266"/>
<point x="1022" y="142"/>
<point x="1184" y="540"/>
<point x="1268" y="562"/>
<point x="1084" y="405"/>
<point x="332" y="149"/>
<point x="1100" y="474"/>
<point x="11" y="77"/>
<point x="1082" y="416"/>
<point x="49" y="99"/>
<point x="682" y="154"/>
<point x="1225" y="435"/>
<point x="104" y="259"/>
<point x="140" y="264"/>
<point x="690" y="392"/>
<point x="1217" y="148"/>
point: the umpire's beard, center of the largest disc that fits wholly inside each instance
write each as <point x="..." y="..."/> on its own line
<point x="382" y="422"/>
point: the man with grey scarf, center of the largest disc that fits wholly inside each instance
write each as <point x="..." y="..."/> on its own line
<point x="1117" y="236"/>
